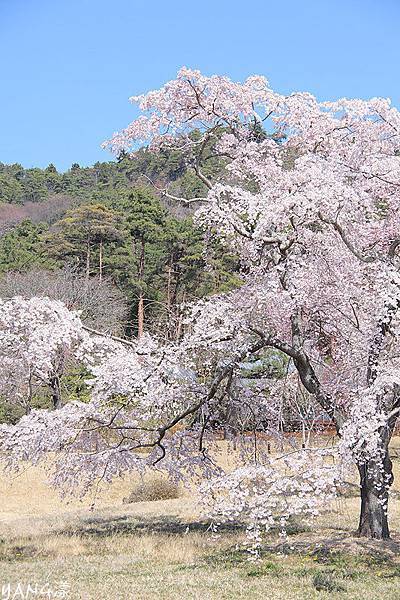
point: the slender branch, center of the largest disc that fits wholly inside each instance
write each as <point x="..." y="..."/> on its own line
<point x="181" y="199"/>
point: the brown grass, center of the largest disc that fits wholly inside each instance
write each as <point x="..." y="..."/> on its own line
<point x="161" y="550"/>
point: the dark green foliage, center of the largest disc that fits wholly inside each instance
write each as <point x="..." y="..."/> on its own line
<point x="268" y="363"/>
<point x="105" y="179"/>
<point x="9" y="412"/>
<point x="83" y="235"/>
<point x="21" y="247"/>
<point x="121" y="229"/>
<point x="102" y="180"/>
<point x="11" y="190"/>
<point x="35" y="185"/>
<point x="74" y="386"/>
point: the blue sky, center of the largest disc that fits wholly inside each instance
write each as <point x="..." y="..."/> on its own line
<point x="69" y="66"/>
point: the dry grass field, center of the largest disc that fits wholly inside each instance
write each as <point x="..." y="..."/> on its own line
<point x="160" y="549"/>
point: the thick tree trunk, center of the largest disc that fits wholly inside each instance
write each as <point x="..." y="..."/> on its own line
<point x="373" y="515"/>
<point x="375" y="480"/>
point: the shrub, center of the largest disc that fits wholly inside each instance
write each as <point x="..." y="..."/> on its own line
<point x="327" y="583"/>
<point x="151" y="490"/>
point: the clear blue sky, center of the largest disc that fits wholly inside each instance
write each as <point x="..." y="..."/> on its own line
<point x="69" y="66"/>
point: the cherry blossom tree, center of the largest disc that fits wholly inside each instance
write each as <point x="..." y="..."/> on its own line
<point x="38" y="336"/>
<point x="308" y="199"/>
<point x="312" y="209"/>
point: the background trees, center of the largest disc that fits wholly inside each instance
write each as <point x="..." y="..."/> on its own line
<point x="84" y="235"/>
<point x="78" y="237"/>
<point x="145" y="221"/>
<point x="98" y="220"/>
<point x="21" y="247"/>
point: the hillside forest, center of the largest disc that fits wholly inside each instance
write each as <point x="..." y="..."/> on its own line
<point x="108" y="241"/>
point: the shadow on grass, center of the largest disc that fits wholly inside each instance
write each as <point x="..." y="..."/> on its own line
<point x="329" y="562"/>
<point x="99" y="526"/>
<point x="128" y="525"/>
<point x="347" y="555"/>
<point x="332" y="549"/>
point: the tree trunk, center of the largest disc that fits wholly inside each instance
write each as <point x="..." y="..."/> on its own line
<point x="179" y="326"/>
<point x="140" y="315"/>
<point x="374" y="483"/>
<point x="101" y="261"/>
<point x="169" y="273"/>
<point x="56" y="392"/>
<point x="141" y="298"/>
<point x="55" y="383"/>
<point x="87" y="269"/>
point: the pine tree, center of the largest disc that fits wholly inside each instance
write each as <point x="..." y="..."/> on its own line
<point x="83" y="234"/>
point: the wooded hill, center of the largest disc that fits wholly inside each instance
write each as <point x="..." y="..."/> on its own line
<point x="108" y="222"/>
<point x="106" y="241"/>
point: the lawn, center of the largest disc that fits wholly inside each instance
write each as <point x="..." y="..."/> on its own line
<point x="162" y="550"/>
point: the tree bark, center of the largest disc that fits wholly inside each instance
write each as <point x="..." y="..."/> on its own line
<point x="375" y="480"/>
<point x="55" y="383"/>
<point x="101" y="260"/>
<point x="169" y="277"/>
<point x="140" y="315"/>
<point x="56" y="392"/>
<point x="141" y="298"/>
<point x="87" y="269"/>
<point x="376" y="477"/>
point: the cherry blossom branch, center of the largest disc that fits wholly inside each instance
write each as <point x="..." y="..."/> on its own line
<point x="337" y="227"/>
<point x="306" y="372"/>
